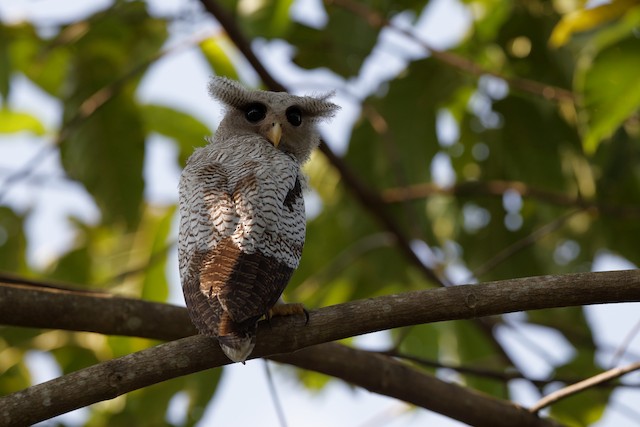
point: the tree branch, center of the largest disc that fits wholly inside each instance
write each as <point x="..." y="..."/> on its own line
<point x="53" y="308"/>
<point x="283" y="335"/>
<point x="400" y="381"/>
<point x="35" y="306"/>
<point x="565" y="392"/>
<point x="110" y="379"/>
<point x="497" y="188"/>
<point x="493" y="374"/>
<point x="377" y="20"/>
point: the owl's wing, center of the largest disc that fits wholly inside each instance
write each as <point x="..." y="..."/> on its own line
<point x="230" y="277"/>
<point x="247" y="269"/>
<point x="207" y="216"/>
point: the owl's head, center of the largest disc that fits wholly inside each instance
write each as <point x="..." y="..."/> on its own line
<point x="288" y="122"/>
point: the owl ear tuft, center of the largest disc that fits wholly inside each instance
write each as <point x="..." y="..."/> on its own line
<point x="318" y="107"/>
<point x="229" y="92"/>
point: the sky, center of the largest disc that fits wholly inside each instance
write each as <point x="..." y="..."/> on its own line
<point x="180" y="80"/>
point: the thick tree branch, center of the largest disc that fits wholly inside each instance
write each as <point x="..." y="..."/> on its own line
<point x="400" y="381"/>
<point x="36" y="306"/>
<point x="283" y="335"/>
<point x="53" y="308"/>
<point x="188" y="355"/>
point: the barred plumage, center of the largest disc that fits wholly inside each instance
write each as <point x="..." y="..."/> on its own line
<point x="242" y="225"/>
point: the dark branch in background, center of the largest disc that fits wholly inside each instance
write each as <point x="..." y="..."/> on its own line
<point x="400" y="381"/>
<point x="498" y="188"/>
<point x="493" y="374"/>
<point x="376" y="20"/>
<point x="369" y="199"/>
<point x="52" y="308"/>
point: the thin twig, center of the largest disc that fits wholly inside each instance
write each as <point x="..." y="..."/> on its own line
<point x="622" y="349"/>
<point x="523" y="243"/>
<point x="154" y="258"/>
<point x="25" y="171"/>
<point x="583" y="385"/>
<point x="497" y="188"/>
<point x="274" y="394"/>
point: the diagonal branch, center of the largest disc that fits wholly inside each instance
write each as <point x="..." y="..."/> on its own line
<point x="565" y="392"/>
<point x="110" y="379"/>
<point x="458" y="62"/>
<point x="493" y="374"/>
<point x="369" y="199"/>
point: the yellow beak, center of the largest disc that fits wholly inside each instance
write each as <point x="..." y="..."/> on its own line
<point x="274" y="134"/>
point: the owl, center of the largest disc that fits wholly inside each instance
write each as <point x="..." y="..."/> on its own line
<point x="242" y="217"/>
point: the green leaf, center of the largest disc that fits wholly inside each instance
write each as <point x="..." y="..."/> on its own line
<point x="104" y="149"/>
<point x="610" y="89"/>
<point x="5" y="63"/>
<point x="13" y="242"/>
<point x="44" y="62"/>
<point x="105" y="153"/>
<point x="14" y="121"/>
<point x="154" y="234"/>
<point x="215" y="50"/>
<point x="186" y="130"/>
<point x="200" y="387"/>
<point x="267" y="18"/>
<point x="473" y="348"/>
<point x="342" y="45"/>
<point x="73" y="267"/>
<point x="587" y="19"/>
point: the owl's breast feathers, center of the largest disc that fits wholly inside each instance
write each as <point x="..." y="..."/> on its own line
<point x="241" y="236"/>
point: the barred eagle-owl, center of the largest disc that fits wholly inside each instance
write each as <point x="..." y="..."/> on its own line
<point x="242" y="218"/>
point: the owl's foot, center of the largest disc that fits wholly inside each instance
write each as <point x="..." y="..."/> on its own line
<point x="282" y="309"/>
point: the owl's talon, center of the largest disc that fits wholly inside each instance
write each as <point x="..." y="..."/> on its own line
<point x="287" y="310"/>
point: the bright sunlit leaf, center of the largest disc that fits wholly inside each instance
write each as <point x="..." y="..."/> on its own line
<point x="217" y="56"/>
<point x="610" y="87"/>
<point x="588" y="19"/>
<point x="15" y="121"/>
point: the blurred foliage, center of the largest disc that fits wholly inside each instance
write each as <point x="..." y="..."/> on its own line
<point x="582" y="149"/>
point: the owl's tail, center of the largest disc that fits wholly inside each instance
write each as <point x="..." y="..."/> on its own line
<point x="237" y="339"/>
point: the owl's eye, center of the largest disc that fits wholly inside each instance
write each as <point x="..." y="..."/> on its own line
<point x="255" y="112"/>
<point x="294" y="116"/>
